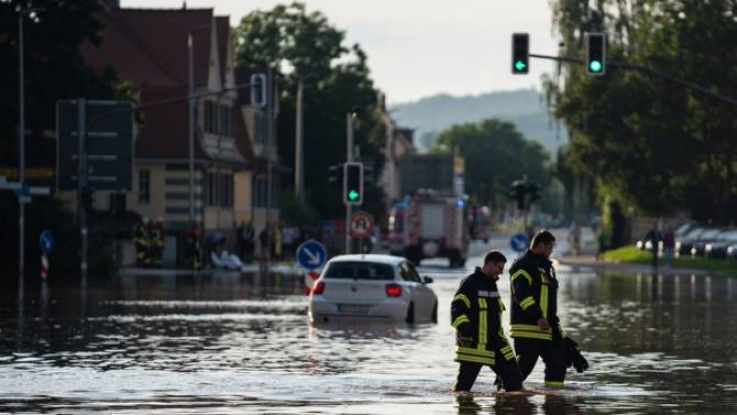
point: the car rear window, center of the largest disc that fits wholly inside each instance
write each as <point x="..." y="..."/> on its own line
<point x="360" y="270"/>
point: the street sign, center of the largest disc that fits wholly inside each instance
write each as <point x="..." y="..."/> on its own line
<point x="46" y="241"/>
<point x="311" y="254"/>
<point x="362" y="223"/>
<point x="519" y="242"/>
<point x="109" y="145"/>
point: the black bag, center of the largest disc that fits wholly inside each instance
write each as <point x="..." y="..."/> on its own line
<point x="574" y="357"/>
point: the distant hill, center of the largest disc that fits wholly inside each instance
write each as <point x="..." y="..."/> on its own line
<point x="525" y="108"/>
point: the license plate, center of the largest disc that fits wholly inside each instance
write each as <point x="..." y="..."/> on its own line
<point x="353" y="308"/>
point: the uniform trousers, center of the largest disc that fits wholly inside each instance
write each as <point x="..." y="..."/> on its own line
<point x="552" y="352"/>
<point x="507" y="370"/>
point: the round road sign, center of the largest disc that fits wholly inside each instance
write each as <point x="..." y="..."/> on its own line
<point x="362" y="223"/>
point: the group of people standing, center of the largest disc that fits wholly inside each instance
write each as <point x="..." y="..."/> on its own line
<point x="476" y="314"/>
<point x="275" y="242"/>
<point x="148" y="237"/>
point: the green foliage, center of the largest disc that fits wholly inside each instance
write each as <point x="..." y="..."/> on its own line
<point x="648" y="142"/>
<point x="336" y="82"/>
<point x="630" y="254"/>
<point x="495" y="154"/>
<point x="293" y="213"/>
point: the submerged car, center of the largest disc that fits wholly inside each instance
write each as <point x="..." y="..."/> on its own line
<point x="372" y="287"/>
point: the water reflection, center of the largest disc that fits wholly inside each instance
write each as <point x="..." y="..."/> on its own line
<point x="240" y="343"/>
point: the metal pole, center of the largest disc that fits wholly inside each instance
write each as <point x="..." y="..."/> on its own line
<point x="22" y="150"/>
<point x="348" y="158"/>
<point x="269" y="140"/>
<point x="191" y="129"/>
<point x="82" y="180"/>
<point x="298" y="168"/>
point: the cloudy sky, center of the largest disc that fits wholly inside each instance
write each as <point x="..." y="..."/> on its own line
<point x="418" y="48"/>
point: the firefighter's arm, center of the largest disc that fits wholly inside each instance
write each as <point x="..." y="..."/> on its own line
<point x="459" y="311"/>
<point x="522" y="295"/>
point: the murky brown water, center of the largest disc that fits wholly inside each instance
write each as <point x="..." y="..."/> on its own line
<point x="241" y="344"/>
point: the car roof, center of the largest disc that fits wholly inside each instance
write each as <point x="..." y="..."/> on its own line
<point x="385" y="259"/>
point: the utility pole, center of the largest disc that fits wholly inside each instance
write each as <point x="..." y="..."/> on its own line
<point x="298" y="147"/>
<point x="269" y="140"/>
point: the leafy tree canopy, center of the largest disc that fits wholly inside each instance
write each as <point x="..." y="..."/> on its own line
<point x="495" y="154"/>
<point x="302" y="45"/>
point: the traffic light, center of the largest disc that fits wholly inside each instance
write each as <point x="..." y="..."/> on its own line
<point x="520" y="53"/>
<point x="259" y="96"/>
<point x="353" y="183"/>
<point x="519" y="192"/>
<point x="595" y="54"/>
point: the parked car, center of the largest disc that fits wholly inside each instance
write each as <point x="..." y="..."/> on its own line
<point x="709" y="235"/>
<point x="686" y="242"/>
<point x="718" y="248"/>
<point x="732" y="252"/>
<point x="372" y="287"/>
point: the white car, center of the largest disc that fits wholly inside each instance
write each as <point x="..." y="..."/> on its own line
<point x="372" y="287"/>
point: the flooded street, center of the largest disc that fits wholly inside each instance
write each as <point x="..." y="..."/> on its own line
<point x="241" y="344"/>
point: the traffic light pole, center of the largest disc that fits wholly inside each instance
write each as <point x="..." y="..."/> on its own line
<point x="82" y="182"/>
<point x="348" y="158"/>
<point x="649" y="71"/>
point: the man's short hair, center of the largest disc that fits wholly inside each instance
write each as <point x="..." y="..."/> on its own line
<point x="542" y="237"/>
<point x="494" y="256"/>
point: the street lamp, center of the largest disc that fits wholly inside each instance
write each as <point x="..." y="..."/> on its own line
<point x="192" y="102"/>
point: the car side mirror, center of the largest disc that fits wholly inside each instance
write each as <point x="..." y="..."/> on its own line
<point x="426" y="280"/>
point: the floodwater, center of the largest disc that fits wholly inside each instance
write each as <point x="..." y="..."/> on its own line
<point x="241" y="344"/>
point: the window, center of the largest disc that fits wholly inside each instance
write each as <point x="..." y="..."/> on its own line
<point x="409" y="273"/>
<point x="144" y="186"/>
<point x="360" y="271"/>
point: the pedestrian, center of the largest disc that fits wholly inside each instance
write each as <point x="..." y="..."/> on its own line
<point x="141" y="240"/>
<point x="601" y="243"/>
<point x="476" y="314"/>
<point x="574" y="239"/>
<point x="535" y="327"/>
<point x="248" y="235"/>
<point x="653" y="236"/>
<point x="669" y="245"/>
<point x="265" y="238"/>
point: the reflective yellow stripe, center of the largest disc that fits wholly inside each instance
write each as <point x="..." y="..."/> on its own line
<point x="527" y="302"/>
<point x="463" y="298"/>
<point x="530" y="331"/>
<point x="460" y="320"/>
<point x="553" y="383"/>
<point x="544" y="300"/>
<point x="524" y="274"/>
<point x="474" y="352"/>
<point x="483" y="323"/>
<point x="507" y="352"/>
<point x="474" y="355"/>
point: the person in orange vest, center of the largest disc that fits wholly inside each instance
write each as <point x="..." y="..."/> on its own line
<point x="156" y="242"/>
<point x="141" y="240"/>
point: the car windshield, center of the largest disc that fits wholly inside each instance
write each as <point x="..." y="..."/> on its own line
<point x="360" y="270"/>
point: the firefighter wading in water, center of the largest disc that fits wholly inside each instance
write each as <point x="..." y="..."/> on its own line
<point x="534" y="318"/>
<point x="476" y="314"/>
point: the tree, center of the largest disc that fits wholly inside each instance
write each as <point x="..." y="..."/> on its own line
<point x="336" y="82"/>
<point x="647" y="142"/>
<point x="495" y="154"/>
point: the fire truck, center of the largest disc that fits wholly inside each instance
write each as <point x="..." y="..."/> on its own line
<point x="429" y="225"/>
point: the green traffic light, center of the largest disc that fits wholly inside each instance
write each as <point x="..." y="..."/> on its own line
<point x="520" y="66"/>
<point x="595" y="66"/>
<point x="353" y="195"/>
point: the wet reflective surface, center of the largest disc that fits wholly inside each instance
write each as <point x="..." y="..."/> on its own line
<point x="233" y="343"/>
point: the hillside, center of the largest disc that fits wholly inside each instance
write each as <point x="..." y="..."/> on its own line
<point x="525" y="108"/>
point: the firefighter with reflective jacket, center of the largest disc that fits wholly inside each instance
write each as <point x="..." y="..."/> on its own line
<point x="534" y="318"/>
<point x="142" y="242"/>
<point x="476" y="314"/>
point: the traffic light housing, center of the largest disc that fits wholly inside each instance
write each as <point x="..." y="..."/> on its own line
<point x="353" y="183"/>
<point x="520" y="53"/>
<point x="335" y="173"/>
<point x="259" y="96"/>
<point x="595" y="54"/>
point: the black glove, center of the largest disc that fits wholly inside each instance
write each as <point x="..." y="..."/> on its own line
<point x="464" y="335"/>
<point x="574" y="357"/>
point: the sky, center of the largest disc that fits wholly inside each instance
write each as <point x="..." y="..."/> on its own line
<point x="420" y="48"/>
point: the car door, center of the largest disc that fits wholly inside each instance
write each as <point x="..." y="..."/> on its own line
<point x="412" y="279"/>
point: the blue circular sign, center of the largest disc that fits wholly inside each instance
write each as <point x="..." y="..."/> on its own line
<point x="46" y="241"/>
<point x="312" y="254"/>
<point x="519" y="242"/>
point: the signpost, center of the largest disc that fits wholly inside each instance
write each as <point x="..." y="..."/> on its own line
<point x="362" y="223"/>
<point x="519" y="242"/>
<point x="311" y="254"/>
<point x="46" y="243"/>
